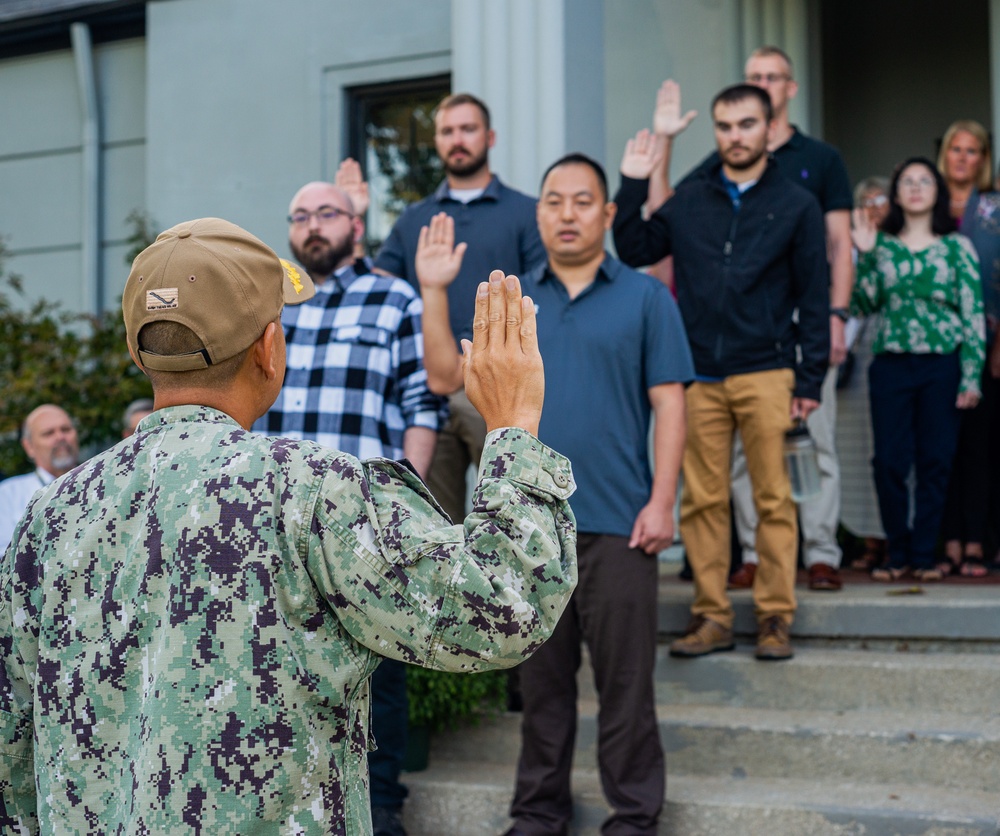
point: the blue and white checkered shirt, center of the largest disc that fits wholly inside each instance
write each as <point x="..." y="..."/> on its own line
<point x="355" y="378"/>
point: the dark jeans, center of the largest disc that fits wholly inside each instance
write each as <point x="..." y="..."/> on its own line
<point x="390" y="720"/>
<point x="967" y="508"/>
<point x="915" y="424"/>
<point x="613" y="610"/>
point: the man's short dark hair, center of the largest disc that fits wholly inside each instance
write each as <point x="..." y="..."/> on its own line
<point x="576" y="158"/>
<point x="457" y="99"/>
<point x="169" y="338"/>
<point x="741" y="92"/>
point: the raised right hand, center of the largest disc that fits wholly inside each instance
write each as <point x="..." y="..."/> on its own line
<point x="642" y="153"/>
<point x="667" y="119"/>
<point x="438" y="259"/>
<point x="350" y="181"/>
<point x="862" y="231"/>
<point x="504" y="377"/>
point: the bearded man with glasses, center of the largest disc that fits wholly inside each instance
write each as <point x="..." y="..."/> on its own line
<point x="355" y="381"/>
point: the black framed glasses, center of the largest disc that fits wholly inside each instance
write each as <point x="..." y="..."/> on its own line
<point x="325" y="214"/>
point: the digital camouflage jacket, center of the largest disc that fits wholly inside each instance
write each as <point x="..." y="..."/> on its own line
<point x="188" y="622"/>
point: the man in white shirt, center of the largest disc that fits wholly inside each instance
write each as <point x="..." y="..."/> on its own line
<point x="48" y="436"/>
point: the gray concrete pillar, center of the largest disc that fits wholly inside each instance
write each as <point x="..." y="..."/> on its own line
<point x="539" y="65"/>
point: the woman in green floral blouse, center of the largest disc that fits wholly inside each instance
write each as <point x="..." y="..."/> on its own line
<point x="924" y="279"/>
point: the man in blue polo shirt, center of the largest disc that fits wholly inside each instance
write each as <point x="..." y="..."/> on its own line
<point x="498" y="225"/>
<point x="615" y="355"/>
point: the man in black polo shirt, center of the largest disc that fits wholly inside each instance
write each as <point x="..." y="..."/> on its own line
<point x="498" y="226"/>
<point x="819" y="168"/>
<point x="749" y="251"/>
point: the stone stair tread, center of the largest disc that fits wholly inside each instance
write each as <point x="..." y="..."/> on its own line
<point x="863" y="611"/>
<point x="942" y="726"/>
<point x="482" y="794"/>
<point x="913" y="799"/>
<point x="847" y="658"/>
<point x="890" y="724"/>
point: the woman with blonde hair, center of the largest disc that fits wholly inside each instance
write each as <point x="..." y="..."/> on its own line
<point x="966" y="164"/>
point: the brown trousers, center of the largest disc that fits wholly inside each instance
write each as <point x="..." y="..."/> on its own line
<point x="459" y="444"/>
<point x="758" y="404"/>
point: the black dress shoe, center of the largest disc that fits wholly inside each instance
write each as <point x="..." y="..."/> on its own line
<point x="387" y="822"/>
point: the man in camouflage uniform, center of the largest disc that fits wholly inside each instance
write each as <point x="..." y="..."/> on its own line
<point x="189" y="620"/>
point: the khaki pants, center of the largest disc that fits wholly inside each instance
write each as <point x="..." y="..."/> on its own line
<point x="819" y="516"/>
<point x="459" y="444"/>
<point x="757" y="405"/>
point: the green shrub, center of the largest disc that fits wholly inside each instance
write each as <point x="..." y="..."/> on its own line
<point x="50" y="355"/>
<point x="441" y="700"/>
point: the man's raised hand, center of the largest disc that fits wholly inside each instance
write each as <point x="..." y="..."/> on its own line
<point x="350" y="181"/>
<point x="504" y="378"/>
<point x="667" y="119"/>
<point x="438" y="260"/>
<point x="642" y="153"/>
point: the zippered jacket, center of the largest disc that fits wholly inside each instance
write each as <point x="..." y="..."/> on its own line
<point x="740" y="274"/>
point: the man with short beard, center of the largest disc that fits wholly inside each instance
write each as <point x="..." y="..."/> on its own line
<point x="749" y="250"/>
<point x="497" y="225"/>
<point x="355" y="381"/>
<point x="48" y="436"/>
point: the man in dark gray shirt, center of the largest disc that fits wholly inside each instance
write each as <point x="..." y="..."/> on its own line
<point x="497" y="225"/>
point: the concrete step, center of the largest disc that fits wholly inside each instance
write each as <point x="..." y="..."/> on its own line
<point x="457" y="801"/>
<point x="940" y="749"/>
<point x="830" y="680"/>
<point x="867" y="612"/>
<point x="850" y="737"/>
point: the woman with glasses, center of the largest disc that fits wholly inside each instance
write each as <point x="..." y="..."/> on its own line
<point x="923" y="278"/>
<point x="965" y="163"/>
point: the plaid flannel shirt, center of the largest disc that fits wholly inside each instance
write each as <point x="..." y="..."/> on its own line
<point x="355" y="378"/>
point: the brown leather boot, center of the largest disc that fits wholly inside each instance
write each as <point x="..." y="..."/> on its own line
<point x="773" y="640"/>
<point x="702" y="636"/>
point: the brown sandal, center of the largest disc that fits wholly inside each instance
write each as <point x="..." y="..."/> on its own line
<point x="949" y="567"/>
<point x="872" y="557"/>
<point x="887" y="574"/>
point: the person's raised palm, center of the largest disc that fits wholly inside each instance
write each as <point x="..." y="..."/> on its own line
<point x="350" y="180"/>
<point x="667" y="118"/>
<point x="862" y="231"/>
<point x="438" y="259"/>
<point x="642" y="153"/>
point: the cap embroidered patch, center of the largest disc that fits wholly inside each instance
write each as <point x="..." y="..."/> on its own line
<point x="160" y="300"/>
<point x="293" y="275"/>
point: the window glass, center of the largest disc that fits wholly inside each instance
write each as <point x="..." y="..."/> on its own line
<point x="392" y="136"/>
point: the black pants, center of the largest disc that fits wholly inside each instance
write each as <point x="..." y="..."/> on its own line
<point x="915" y="424"/>
<point x="390" y="720"/>
<point x="613" y="611"/>
<point x="967" y="508"/>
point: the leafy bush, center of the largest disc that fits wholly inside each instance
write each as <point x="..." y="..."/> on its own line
<point x="50" y="355"/>
<point x="441" y="700"/>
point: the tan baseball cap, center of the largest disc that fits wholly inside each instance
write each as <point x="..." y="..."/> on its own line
<point x="217" y="279"/>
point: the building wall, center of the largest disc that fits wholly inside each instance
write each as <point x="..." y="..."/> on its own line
<point x="41" y="168"/>
<point x="247" y="105"/>
<point x="228" y="105"/>
<point x="701" y="44"/>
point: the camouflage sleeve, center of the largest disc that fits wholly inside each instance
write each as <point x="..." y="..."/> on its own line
<point x="17" y="775"/>
<point x="481" y="595"/>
